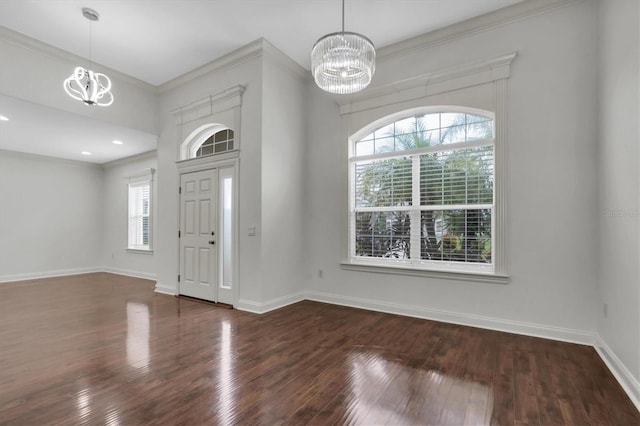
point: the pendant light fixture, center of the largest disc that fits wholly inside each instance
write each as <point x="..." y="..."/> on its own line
<point x="343" y="62"/>
<point x="92" y="88"/>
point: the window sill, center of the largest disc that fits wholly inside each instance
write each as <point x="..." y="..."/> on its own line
<point x="139" y="251"/>
<point x="427" y="273"/>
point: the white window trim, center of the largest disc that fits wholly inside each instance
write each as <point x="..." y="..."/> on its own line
<point x="206" y="116"/>
<point x="495" y="70"/>
<point x="209" y="161"/>
<point x="139" y="251"/>
<point x="143" y="176"/>
<point x="426" y="273"/>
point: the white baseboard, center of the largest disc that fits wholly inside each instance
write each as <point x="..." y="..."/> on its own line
<point x="76" y="271"/>
<point x="528" y="329"/>
<point x="269" y="305"/>
<point x="249" y="306"/>
<point x="128" y="273"/>
<point x="48" y="274"/>
<point x="171" y="291"/>
<point x="629" y="383"/>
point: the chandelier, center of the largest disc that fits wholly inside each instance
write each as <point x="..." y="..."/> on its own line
<point x="343" y="62"/>
<point x="92" y="88"/>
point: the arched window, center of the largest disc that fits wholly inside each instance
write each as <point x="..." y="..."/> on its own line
<point x="217" y="143"/>
<point x="422" y="190"/>
<point x="208" y="139"/>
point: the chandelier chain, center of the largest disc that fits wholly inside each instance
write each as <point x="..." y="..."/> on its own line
<point x="90" y="44"/>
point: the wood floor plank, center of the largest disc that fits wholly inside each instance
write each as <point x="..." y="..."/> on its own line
<point x="568" y="399"/>
<point x="546" y="399"/>
<point x="525" y="403"/>
<point x="105" y="349"/>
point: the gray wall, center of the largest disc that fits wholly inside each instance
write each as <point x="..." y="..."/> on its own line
<point x="619" y="185"/>
<point x="50" y="216"/>
<point x="551" y="181"/>
<point x="283" y="176"/>
<point x="64" y="217"/>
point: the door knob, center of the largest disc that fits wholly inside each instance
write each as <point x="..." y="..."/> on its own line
<point x="212" y="242"/>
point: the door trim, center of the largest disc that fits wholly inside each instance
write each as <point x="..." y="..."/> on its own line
<point x="226" y="160"/>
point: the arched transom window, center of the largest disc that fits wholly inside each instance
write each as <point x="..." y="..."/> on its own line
<point x="421" y="191"/>
<point x="221" y="141"/>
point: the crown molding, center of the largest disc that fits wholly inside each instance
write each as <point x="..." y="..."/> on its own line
<point x="453" y="78"/>
<point x="149" y="155"/>
<point x="255" y="49"/>
<point x="497" y="18"/>
<point x="40" y="157"/>
<point x="111" y="164"/>
<point x="29" y="43"/>
<point x="209" y="105"/>
<point x="239" y="56"/>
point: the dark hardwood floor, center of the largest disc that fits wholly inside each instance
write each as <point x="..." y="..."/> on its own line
<point x="104" y="349"/>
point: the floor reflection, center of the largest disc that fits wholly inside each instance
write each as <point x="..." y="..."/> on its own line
<point x="112" y="417"/>
<point x="226" y="380"/>
<point x="83" y="404"/>
<point x="389" y="391"/>
<point x="138" y="335"/>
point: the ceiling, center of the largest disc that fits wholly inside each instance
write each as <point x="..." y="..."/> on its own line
<point x="158" y="40"/>
<point x="37" y="129"/>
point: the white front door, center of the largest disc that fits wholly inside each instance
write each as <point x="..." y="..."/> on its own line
<point x="198" y="234"/>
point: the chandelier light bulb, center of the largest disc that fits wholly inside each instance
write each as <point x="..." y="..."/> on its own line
<point x="92" y="88"/>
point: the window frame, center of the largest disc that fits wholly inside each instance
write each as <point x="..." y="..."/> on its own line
<point x="228" y="141"/>
<point x="143" y="178"/>
<point x="466" y="271"/>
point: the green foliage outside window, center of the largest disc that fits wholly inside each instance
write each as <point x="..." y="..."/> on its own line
<point x="460" y="176"/>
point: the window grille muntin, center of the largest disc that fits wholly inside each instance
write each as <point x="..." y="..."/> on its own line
<point x="217" y="143"/>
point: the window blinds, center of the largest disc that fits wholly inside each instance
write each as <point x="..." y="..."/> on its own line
<point x="420" y="201"/>
<point x="139" y="215"/>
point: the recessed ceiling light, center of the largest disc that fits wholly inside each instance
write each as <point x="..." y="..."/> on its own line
<point x="118" y="142"/>
<point x="85" y="153"/>
<point x="3" y="118"/>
